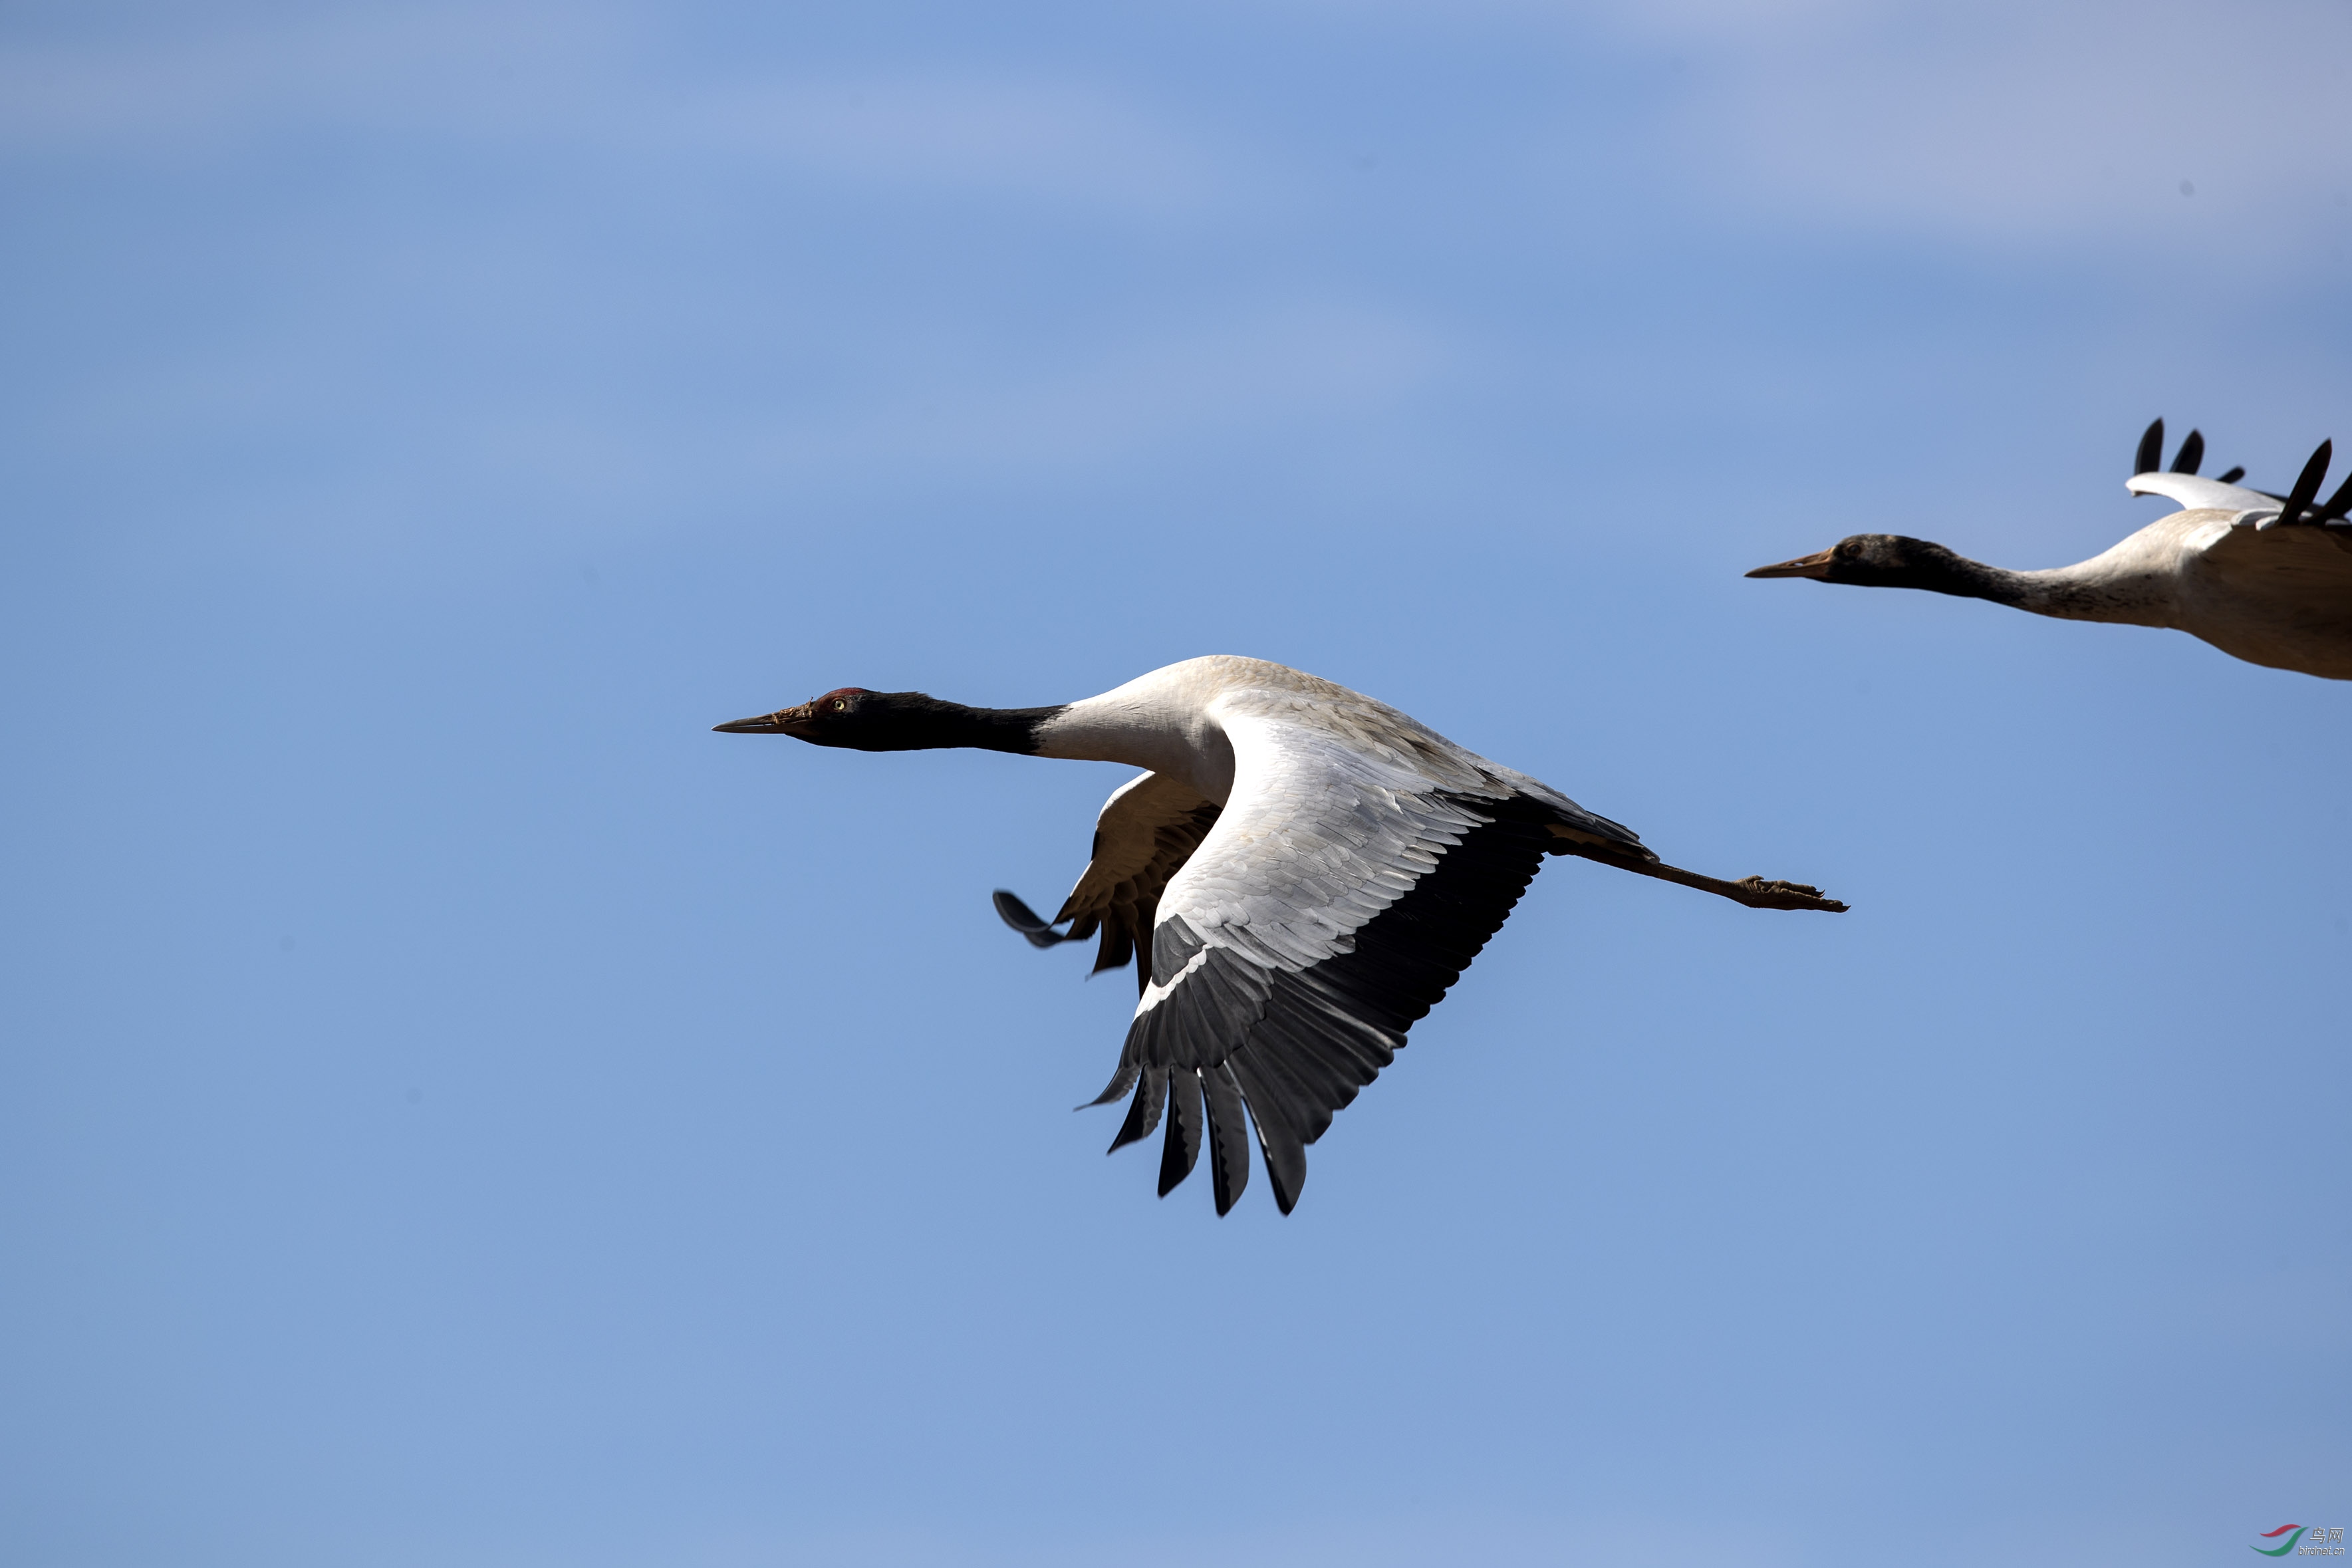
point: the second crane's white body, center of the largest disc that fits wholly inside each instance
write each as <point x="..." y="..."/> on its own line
<point x="2280" y="596"/>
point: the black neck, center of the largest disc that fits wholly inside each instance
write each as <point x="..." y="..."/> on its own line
<point x="1936" y="570"/>
<point x="2094" y="590"/>
<point x="911" y="722"/>
<point x="1941" y="571"/>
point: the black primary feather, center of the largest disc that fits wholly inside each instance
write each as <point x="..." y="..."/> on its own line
<point x="2335" y="505"/>
<point x="1278" y="1108"/>
<point x="1182" y="1144"/>
<point x="2307" y="483"/>
<point x="1120" y="1082"/>
<point x="2233" y="476"/>
<point x="1143" y="1112"/>
<point x="2192" y="453"/>
<point x="1229" y="1161"/>
<point x="2151" y="449"/>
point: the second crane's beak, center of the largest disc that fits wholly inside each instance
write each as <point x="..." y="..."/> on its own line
<point x="1814" y="566"/>
<point x="782" y="722"/>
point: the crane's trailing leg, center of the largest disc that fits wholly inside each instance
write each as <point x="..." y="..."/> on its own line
<point x="1756" y="892"/>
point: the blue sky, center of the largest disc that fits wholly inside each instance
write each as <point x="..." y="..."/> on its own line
<point x="454" y="1109"/>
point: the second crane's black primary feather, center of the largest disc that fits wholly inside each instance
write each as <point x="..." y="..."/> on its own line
<point x="2307" y="484"/>
<point x="2335" y="505"/>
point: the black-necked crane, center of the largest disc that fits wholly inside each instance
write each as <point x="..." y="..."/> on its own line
<point x="2266" y="578"/>
<point x="1299" y="875"/>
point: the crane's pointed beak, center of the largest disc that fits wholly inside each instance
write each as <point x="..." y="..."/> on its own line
<point x="782" y="722"/>
<point x="1814" y="566"/>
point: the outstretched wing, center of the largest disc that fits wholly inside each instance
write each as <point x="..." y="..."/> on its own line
<point x="2191" y="492"/>
<point x="1334" y="903"/>
<point x="2272" y="546"/>
<point x="2304" y="569"/>
<point x="2279" y="594"/>
<point x="2182" y="486"/>
<point x="1146" y="831"/>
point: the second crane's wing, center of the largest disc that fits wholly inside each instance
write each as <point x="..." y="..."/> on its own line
<point x="2303" y="566"/>
<point x="2280" y="596"/>
<point x="2191" y="492"/>
<point x="1335" y="900"/>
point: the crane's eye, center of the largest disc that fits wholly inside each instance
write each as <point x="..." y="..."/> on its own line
<point x="841" y="704"/>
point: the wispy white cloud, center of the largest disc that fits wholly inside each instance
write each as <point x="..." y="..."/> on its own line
<point x="1998" y="124"/>
<point x="1043" y="138"/>
<point x="974" y="414"/>
<point x="2005" y="124"/>
<point x="2184" y="126"/>
<point x="524" y="74"/>
<point x="1268" y="369"/>
<point x="164" y="89"/>
<point x="537" y="392"/>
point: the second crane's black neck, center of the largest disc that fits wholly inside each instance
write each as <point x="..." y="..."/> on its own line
<point x="1893" y="561"/>
<point x="2070" y="593"/>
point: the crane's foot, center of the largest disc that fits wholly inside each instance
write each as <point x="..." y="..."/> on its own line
<point x="1764" y="893"/>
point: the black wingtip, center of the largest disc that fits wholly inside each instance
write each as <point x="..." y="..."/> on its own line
<point x="1120" y="1082"/>
<point x="1182" y="1146"/>
<point x="2151" y="449"/>
<point x="2333" y="508"/>
<point x="1143" y="1113"/>
<point x="1023" y="919"/>
<point x="2192" y="453"/>
<point x="2307" y="483"/>
<point x="2233" y="476"/>
<point x="1274" y="1110"/>
<point x="1229" y="1161"/>
<point x="1286" y="1170"/>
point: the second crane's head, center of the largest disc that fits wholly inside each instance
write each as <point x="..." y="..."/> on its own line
<point x="863" y="720"/>
<point x="1885" y="560"/>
